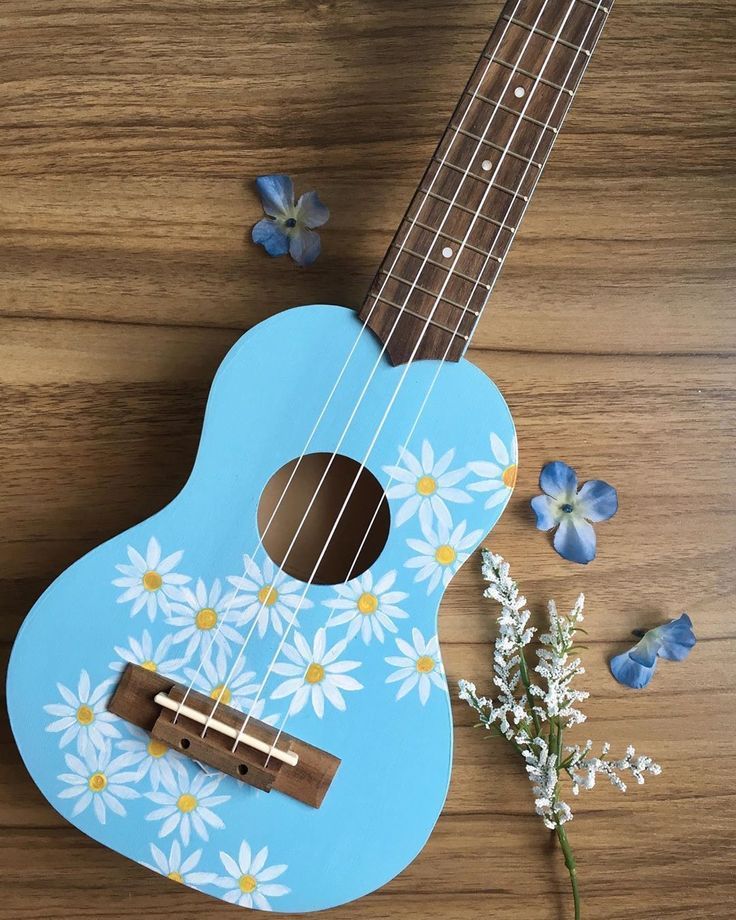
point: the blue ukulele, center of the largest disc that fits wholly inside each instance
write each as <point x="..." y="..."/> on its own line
<point x="247" y="695"/>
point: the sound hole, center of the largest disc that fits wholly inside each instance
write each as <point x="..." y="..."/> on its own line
<point x="350" y="550"/>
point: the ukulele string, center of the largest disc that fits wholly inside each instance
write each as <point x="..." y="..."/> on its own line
<point x="407" y="366"/>
<point x="413" y="354"/>
<point x="561" y="92"/>
<point x="377" y="297"/>
<point x="563" y="85"/>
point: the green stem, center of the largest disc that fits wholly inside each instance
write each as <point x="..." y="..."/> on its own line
<point x="524" y="671"/>
<point x="571" y="867"/>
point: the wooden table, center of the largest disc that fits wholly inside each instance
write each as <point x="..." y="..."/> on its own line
<point x="131" y="133"/>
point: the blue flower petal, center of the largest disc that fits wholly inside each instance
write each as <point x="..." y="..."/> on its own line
<point x="277" y="195"/>
<point x="547" y="512"/>
<point x="646" y="650"/>
<point x="558" y="480"/>
<point x="268" y="234"/>
<point x="304" y="245"/>
<point x="676" y="638"/>
<point x="310" y="211"/>
<point x="575" y="540"/>
<point x="597" y="501"/>
<point x="629" y="672"/>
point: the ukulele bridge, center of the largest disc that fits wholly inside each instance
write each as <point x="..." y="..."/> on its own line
<point x="263" y="757"/>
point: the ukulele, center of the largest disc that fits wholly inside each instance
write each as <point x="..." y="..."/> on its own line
<point x="247" y="694"/>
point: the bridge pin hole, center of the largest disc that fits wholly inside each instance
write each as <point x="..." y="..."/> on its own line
<point x="184" y="743"/>
<point x="242" y="769"/>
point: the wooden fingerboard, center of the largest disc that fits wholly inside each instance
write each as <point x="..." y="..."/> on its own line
<point x="449" y="249"/>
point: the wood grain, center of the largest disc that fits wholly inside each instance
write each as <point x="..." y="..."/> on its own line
<point x="130" y="136"/>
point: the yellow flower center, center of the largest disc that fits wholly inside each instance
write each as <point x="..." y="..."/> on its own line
<point x="97" y="782"/>
<point x="268" y="595"/>
<point x="85" y="716"/>
<point x="425" y="664"/>
<point x="156" y="748"/>
<point x="186" y="803"/>
<point x="152" y="581"/>
<point x="445" y="554"/>
<point x="426" y="485"/>
<point x="509" y="476"/>
<point x="247" y="884"/>
<point x="206" y="618"/>
<point x="225" y="691"/>
<point x="367" y="603"/>
<point x="149" y="665"/>
<point x="176" y="877"/>
<point x="315" y="673"/>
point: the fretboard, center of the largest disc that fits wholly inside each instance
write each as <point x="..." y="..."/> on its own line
<point x="440" y="269"/>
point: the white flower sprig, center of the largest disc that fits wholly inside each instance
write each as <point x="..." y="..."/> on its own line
<point x="532" y="716"/>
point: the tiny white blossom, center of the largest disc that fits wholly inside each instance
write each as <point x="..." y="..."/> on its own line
<point x="532" y="716"/>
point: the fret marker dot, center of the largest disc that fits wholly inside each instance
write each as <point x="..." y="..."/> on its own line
<point x="447" y="252"/>
<point x="486" y="165"/>
<point x="519" y="92"/>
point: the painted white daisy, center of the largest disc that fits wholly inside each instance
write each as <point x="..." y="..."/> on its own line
<point x="153" y="757"/>
<point x="180" y="869"/>
<point x="366" y="607"/>
<point x="249" y="881"/>
<point x="419" y="666"/>
<point x="143" y="653"/>
<point x="186" y="802"/>
<point x="239" y="691"/>
<point x="98" y="780"/>
<point x="441" y="553"/>
<point x="150" y="582"/>
<point x="426" y="484"/>
<point x="83" y="715"/>
<point x="315" y="674"/>
<point x="200" y="614"/>
<point x="268" y="594"/>
<point x="499" y="477"/>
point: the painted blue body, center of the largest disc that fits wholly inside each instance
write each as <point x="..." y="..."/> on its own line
<point x="396" y="753"/>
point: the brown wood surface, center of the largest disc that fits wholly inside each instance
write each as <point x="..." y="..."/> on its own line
<point x="130" y="135"/>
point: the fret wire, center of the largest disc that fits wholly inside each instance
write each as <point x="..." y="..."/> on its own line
<point x="434" y="262"/>
<point x="528" y="73"/>
<point x="502" y="188"/>
<point x="426" y="319"/>
<point x="596" y="6"/>
<point x="453" y="239"/>
<point x="392" y="274"/>
<point x="547" y="35"/>
<point x="505" y="108"/>
<point x="475" y="213"/>
<point x="535" y="180"/>
<point x="511" y="153"/>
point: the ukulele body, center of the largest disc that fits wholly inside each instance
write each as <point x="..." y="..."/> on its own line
<point x="214" y="833"/>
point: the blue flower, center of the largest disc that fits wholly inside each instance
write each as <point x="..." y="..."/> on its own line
<point x="672" y="640"/>
<point x="571" y="511"/>
<point x="289" y="226"/>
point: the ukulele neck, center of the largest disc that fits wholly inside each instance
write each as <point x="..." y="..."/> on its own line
<point x="440" y="269"/>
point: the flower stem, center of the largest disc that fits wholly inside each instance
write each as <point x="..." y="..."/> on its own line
<point x="571" y="867"/>
<point x="524" y="671"/>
